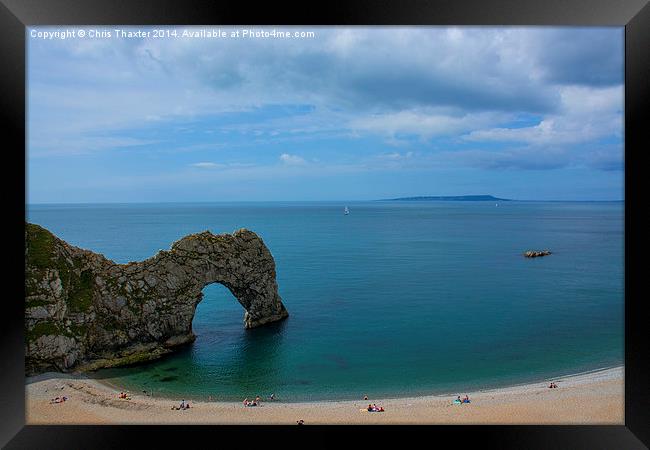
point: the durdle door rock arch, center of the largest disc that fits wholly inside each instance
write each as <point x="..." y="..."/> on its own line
<point x="84" y="311"/>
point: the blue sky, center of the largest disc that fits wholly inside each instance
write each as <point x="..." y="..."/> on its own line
<point x="350" y="114"/>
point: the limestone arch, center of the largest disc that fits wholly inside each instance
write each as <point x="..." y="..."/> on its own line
<point x="82" y="308"/>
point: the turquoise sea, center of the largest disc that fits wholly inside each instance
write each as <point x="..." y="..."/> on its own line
<point x="394" y="299"/>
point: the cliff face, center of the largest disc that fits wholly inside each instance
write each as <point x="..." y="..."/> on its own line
<point x="84" y="311"/>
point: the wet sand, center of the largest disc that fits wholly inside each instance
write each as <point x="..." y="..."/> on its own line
<point x="592" y="398"/>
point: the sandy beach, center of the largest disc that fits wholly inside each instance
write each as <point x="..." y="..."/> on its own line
<point x="591" y="398"/>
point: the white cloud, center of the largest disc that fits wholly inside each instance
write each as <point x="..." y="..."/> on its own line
<point x="586" y="114"/>
<point x="425" y="123"/>
<point x="292" y="160"/>
<point x="207" y="165"/>
<point x="396" y="156"/>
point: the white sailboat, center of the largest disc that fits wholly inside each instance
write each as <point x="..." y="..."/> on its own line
<point x="346" y="211"/>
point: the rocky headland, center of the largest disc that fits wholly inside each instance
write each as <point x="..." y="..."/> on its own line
<point x="84" y="311"/>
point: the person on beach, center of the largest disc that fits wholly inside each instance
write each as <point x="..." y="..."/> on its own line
<point x="300" y="422"/>
<point x="466" y="399"/>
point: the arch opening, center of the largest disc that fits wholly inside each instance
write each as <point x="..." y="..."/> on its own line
<point x="217" y="313"/>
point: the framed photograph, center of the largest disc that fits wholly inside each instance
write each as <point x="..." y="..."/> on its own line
<point x="257" y="218"/>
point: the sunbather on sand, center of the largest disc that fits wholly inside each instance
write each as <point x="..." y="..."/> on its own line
<point x="183" y="405"/>
<point x="375" y="408"/>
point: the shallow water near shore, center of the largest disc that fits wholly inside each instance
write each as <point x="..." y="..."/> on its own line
<point x="394" y="299"/>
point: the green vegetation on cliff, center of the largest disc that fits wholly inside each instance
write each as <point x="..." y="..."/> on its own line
<point x="42" y="329"/>
<point x="81" y="291"/>
<point x="41" y="255"/>
<point x="40" y="246"/>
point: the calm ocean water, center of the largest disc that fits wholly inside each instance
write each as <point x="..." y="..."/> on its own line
<point x="394" y="299"/>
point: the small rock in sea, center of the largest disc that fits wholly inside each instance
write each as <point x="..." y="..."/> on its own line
<point x="536" y="253"/>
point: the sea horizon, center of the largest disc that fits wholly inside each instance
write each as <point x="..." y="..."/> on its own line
<point x="180" y="202"/>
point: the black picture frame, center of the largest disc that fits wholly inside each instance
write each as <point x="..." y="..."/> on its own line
<point x="634" y="15"/>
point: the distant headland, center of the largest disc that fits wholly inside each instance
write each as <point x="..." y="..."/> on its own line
<point x="451" y="198"/>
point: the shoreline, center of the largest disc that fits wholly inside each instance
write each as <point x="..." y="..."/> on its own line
<point x="431" y="393"/>
<point x="172" y="398"/>
<point x="497" y="387"/>
<point x="593" y="397"/>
